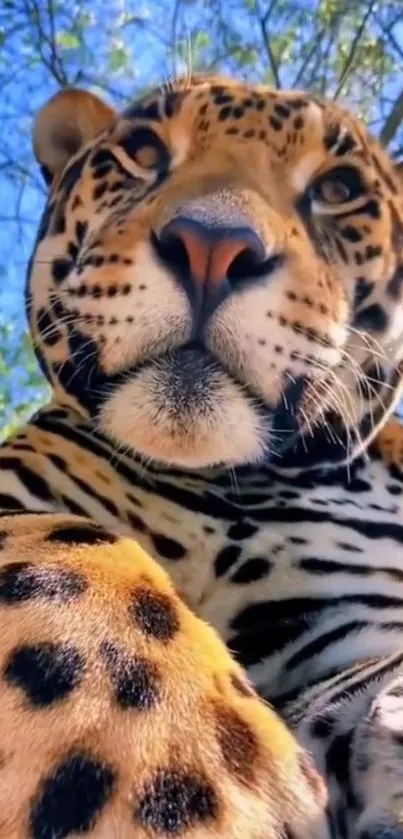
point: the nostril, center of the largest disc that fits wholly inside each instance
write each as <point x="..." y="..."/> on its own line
<point x="249" y="264"/>
<point x="196" y="253"/>
<point x="171" y="250"/>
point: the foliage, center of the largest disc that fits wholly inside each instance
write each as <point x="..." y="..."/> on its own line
<point x="22" y="387"/>
<point x="352" y="51"/>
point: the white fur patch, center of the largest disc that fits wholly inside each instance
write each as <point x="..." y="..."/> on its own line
<point x="304" y="171"/>
<point x="227" y="430"/>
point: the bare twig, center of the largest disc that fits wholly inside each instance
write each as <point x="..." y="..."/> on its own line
<point x="263" y="20"/>
<point x="349" y="63"/>
<point x="393" y="121"/>
<point x="52" y="62"/>
<point x="174" y="36"/>
<point x="308" y="58"/>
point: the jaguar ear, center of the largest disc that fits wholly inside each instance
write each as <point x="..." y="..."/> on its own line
<point x="69" y="120"/>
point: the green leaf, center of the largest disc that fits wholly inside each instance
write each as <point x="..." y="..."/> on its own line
<point x="118" y="58"/>
<point x="68" y="40"/>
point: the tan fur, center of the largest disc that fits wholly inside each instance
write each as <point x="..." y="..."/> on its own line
<point x="264" y="783"/>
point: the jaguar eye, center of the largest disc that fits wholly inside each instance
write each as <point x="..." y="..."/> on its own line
<point x="338" y="186"/>
<point x="146" y="148"/>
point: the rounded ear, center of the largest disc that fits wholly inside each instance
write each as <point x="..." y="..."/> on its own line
<point x="68" y="121"/>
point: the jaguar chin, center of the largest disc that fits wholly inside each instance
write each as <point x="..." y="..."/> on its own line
<point x="186" y="409"/>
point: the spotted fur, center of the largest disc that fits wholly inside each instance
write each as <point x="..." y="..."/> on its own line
<point x="122" y="713"/>
<point x="215" y="297"/>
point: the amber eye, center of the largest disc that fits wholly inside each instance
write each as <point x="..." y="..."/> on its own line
<point x="146" y="148"/>
<point x="333" y="192"/>
<point x="338" y="186"/>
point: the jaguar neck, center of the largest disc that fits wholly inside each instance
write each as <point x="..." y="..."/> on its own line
<point x="306" y="463"/>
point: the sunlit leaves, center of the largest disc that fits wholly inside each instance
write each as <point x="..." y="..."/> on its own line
<point x="22" y="387"/>
<point x="68" y="40"/>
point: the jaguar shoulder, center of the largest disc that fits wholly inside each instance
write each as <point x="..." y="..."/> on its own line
<point x="123" y="713"/>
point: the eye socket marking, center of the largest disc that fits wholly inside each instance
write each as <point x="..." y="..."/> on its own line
<point x="337" y="187"/>
<point x="146" y="149"/>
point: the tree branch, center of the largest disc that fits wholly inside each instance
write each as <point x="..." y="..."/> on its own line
<point x="387" y="31"/>
<point x="393" y="121"/>
<point x="308" y="58"/>
<point x="174" y="38"/>
<point x="348" y="66"/>
<point x="263" y="20"/>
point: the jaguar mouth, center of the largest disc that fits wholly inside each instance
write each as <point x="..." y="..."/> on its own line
<point x="191" y="373"/>
<point x="187" y="378"/>
<point x="190" y="377"/>
<point x="185" y="409"/>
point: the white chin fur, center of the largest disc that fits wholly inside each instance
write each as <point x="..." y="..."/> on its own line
<point x="217" y="424"/>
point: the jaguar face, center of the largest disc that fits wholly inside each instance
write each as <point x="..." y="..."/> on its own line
<point x="218" y="272"/>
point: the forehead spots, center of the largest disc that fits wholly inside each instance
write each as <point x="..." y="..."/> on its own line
<point x="275" y="124"/>
<point x="135" y="681"/>
<point x="45" y="672"/>
<point x="70" y="799"/>
<point x="175" y="801"/>
<point x="81" y="534"/>
<point x="154" y="614"/>
<point x="23" y="581"/>
<point x="238" y="743"/>
<point x="281" y="111"/>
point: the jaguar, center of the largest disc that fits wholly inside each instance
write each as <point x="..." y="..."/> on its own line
<point x="201" y="581"/>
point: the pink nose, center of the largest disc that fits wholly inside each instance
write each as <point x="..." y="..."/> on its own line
<point x="211" y="255"/>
